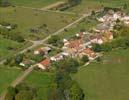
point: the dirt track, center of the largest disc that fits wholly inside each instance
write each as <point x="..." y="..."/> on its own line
<point x="52" y="6"/>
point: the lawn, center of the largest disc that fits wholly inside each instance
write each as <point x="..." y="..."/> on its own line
<point x="33" y="3"/>
<point x="27" y="19"/>
<point x="7" y="75"/>
<point x="108" y="80"/>
<point x="40" y="80"/>
<point x="89" y="5"/>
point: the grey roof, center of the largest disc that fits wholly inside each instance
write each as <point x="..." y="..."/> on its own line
<point x="102" y="27"/>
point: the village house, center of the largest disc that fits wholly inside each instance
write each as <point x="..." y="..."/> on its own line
<point x="57" y="57"/>
<point x="111" y="16"/>
<point x="81" y="34"/>
<point x="89" y="52"/>
<point x="96" y="39"/>
<point x="42" y="50"/>
<point x="107" y="36"/>
<point x="126" y="20"/>
<point x="87" y="41"/>
<point x="101" y="28"/>
<point x="26" y="63"/>
<point x="45" y="64"/>
<point x="100" y="39"/>
<point x="73" y="46"/>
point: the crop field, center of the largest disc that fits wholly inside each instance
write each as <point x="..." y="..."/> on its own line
<point x="89" y="5"/>
<point x="106" y="80"/>
<point x="42" y="81"/>
<point x="28" y="19"/>
<point x="7" y="75"/>
<point x="33" y="3"/>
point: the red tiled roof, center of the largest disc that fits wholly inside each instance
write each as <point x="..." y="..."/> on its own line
<point x="45" y="62"/>
<point x="88" y="51"/>
<point x="75" y="43"/>
<point x="81" y="34"/>
<point x="40" y="50"/>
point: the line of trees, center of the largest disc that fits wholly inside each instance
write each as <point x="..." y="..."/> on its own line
<point x="15" y="36"/>
<point x="21" y="92"/>
<point x="63" y="87"/>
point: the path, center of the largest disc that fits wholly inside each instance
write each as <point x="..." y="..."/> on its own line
<point x="18" y="80"/>
<point x="53" y="5"/>
<point x="57" y="11"/>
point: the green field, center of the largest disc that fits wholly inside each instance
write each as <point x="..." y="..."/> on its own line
<point x="7" y="75"/>
<point x="33" y="3"/>
<point x="27" y="19"/>
<point x="89" y="5"/>
<point x="40" y="80"/>
<point x="108" y="80"/>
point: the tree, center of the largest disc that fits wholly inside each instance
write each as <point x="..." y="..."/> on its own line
<point x="85" y="58"/>
<point x="127" y="42"/>
<point x="10" y="93"/>
<point x="93" y="13"/>
<point x="19" y="58"/>
<point x="125" y="6"/>
<point x="8" y="61"/>
<point x="54" y="40"/>
<point x="82" y="30"/>
<point x="97" y="47"/>
<point x="76" y="92"/>
<point x="52" y="94"/>
<point x="37" y="58"/>
<point x="106" y="47"/>
<point x="16" y="37"/>
<point x="24" y="95"/>
<point x="99" y="59"/>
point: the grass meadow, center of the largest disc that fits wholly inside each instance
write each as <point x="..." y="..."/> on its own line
<point x="108" y="80"/>
<point x="27" y="19"/>
<point x="7" y="75"/>
<point x="42" y="81"/>
<point x="89" y="5"/>
<point x="33" y="3"/>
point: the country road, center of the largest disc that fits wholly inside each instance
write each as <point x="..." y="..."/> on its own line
<point x="62" y="12"/>
<point x="35" y="44"/>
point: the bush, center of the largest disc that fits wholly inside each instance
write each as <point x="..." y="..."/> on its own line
<point x="10" y="93"/>
<point x="97" y="47"/>
<point x="85" y="59"/>
<point x="55" y="40"/>
<point x="76" y="92"/>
